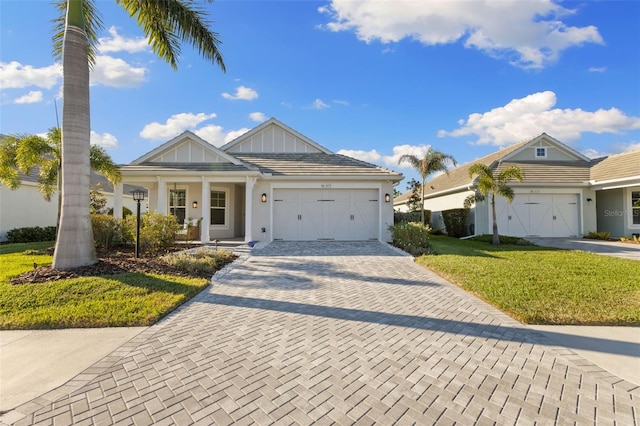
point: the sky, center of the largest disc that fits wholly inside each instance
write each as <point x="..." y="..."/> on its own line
<point x="372" y="79"/>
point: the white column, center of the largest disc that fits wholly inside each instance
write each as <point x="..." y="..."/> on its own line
<point x="248" y="209"/>
<point x="117" y="200"/>
<point x="205" y="236"/>
<point x="162" y="196"/>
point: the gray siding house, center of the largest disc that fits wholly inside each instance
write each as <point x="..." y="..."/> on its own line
<point x="563" y="194"/>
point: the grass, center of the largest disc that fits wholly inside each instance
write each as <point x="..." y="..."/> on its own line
<point x="539" y="285"/>
<point x="130" y="299"/>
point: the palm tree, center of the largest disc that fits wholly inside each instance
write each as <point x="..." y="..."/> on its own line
<point x="21" y="153"/>
<point x="432" y="162"/>
<point x="165" y="23"/>
<point x="490" y="184"/>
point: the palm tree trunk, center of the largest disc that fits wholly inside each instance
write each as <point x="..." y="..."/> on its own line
<point x="422" y="200"/>
<point x="74" y="246"/>
<point x="496" y="238"/>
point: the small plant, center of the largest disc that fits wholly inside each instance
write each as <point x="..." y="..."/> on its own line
<point x="157" y="231"/>
<point x="415" y="216"/>
<point x="411" y="237"/>
<point x="202" y="263"/>
<point x="504" y="239"/>
<point x="437" y="231"/>
<point x="602" y="235"/>
<point x="108" y="231"/>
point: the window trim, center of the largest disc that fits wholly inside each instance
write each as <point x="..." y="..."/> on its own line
<point x="536" y="152"/>
<point x="186" y="197"/>
<point x="226" y="192"/>
<point x="630" y="208"/>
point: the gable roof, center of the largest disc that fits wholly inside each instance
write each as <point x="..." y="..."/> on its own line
<point x="235" y="145"/>
<point x="182" y="138"/>
<point x="545" y="138"/>
<point x="616" y="167"/>
<point x="315" y="164"/>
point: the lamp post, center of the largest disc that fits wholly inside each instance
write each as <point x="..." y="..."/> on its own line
<point x="138" y="196"/>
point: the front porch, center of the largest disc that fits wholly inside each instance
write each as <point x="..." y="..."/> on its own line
<point x="219" y="207"/>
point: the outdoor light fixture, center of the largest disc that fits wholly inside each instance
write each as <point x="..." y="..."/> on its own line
<point x="263" y="197"/>
<point x="138" y="195"/>
<point x="589" y="200"/>
<point x="194" y="205"/>
<point x="387" y="198"/>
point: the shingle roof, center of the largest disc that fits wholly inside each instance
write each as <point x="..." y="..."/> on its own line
<point x="460" y="175"/>
<point x="551" y="171"/>
<point x="314" y="164"/>
<point x="617" y="166"/>
<point x="185" y="167"/>
<point x="96" y="178"/>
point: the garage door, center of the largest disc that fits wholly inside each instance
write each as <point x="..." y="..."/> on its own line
<point x="325" y="214"/>
<point x="543" y="215"/>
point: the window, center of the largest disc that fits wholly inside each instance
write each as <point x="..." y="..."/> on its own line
<point x="635" y="207"/>
<point x="541" y="152"/>
<point x="218" y="207"/>
<point x="178" y="204"/>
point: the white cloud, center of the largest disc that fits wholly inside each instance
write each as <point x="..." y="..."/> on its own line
<point x="115" y="72"/>
<point x="14" y="75"/>
<point x="318" y="104"/>
<point x="174" y="125"/>
<point x="258" y="117"/>
<point x="341" y="102"/>
<point x="216" y="135"/>
<point x="375" y="157"/>
<point x="105" y="140"/>
<point x="598" y="69"/>
<point x="532" y="36"/>
<point x="118" y="43"/>
<point x="242" y="93"/>
<point x="529" y="116"/>
<point x="32" y="97"/>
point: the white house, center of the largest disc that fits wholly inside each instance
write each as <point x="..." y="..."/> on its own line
<point x="563" y="194"/>
<point x="25" y="206"/>
<point x="271" y="183"/>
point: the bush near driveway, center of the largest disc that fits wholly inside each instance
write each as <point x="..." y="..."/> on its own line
<point x="540" y="285"/>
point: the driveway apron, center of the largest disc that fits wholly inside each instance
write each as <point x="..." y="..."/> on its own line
<point x="337" y="333"/>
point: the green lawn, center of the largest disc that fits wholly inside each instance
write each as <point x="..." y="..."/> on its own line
<point x="131" y="299"/>
<point x="539" y="285"/>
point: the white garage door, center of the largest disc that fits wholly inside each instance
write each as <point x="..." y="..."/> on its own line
<point x="542" y="215"/>
<point x="325" y="214"/>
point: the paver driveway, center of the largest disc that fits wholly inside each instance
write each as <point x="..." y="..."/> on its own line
<point x="339" y="333"/>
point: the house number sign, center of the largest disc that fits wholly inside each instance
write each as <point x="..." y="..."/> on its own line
<point x="325" y="185"/>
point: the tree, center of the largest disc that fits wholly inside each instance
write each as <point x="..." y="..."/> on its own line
<point x="165" y="23"/>
<point x="21" y="153"/>
<point x="491" y="184"/>
<point x="432" y="162"/>
<point x="413" y="202"/>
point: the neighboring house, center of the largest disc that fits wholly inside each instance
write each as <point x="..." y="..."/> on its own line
<point x="563" y="193"/>
<point x="25" y="206"/>
<point x="271" y="183"/>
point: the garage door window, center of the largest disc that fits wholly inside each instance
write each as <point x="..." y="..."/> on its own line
<point x="635" y="207"/>
<point x="218" y="207"/>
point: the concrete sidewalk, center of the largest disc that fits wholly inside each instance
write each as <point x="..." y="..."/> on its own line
<point x="608" y="248"/>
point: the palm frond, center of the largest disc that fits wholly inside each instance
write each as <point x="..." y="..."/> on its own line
<point x="101" y="162"/>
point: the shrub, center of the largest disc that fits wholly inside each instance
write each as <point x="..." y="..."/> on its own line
<point x="125" y="211"/>
<point x="412" y="217"/>
<point x="108" y="231"/>
<point x="602" y="235"/>
<point x="31" y="234"/>
<point x="203" y="263"/>
<point x="411" y="237"/>
<point x="157" y="231"/>
<point x="455" y="221"/>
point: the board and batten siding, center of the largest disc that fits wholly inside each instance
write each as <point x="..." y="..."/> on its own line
<point x="273" y="140"/>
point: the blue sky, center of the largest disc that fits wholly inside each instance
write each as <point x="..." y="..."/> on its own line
<point x="370" y="79"/>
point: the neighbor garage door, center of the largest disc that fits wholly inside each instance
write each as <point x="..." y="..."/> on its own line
<point x="325" y="214"/>
<point x="543" y="215"/>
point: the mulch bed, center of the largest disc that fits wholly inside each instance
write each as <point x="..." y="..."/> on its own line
<point x="110" y="262"/>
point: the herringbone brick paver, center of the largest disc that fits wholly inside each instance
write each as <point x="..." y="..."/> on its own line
<point x="337" y="333"/>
